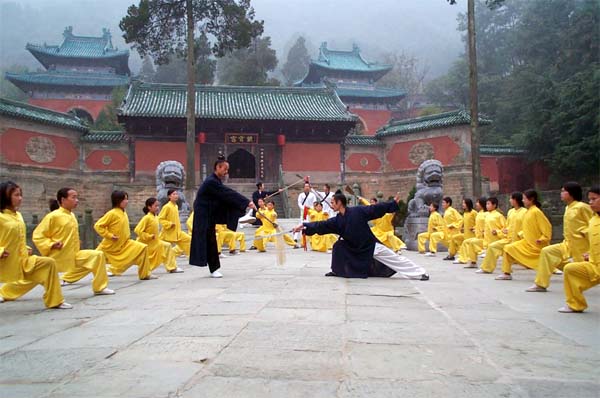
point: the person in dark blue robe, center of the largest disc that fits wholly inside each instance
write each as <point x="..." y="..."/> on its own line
<point x="215" y="204"/>
<point x="358" y="253"/>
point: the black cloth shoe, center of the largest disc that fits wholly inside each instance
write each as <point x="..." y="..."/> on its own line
<point x="424" y="277"/>
<point x="449" y="258"/>
<point x="330" y="273"/>
<point x="252" y="247"/>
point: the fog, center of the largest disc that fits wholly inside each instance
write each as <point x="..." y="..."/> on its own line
<point x="423" y="28"/>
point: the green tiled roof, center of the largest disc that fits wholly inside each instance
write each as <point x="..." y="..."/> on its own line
<point x="104" y="137"/>
<point x="231" y="102"/>
<point x="446" y="119"/>
<point x="64" y="78"/>
<point x="346" y="60"/>
<point x="81" y="46"/>
<point x="25" y="111"/>
<point x="379" y="93"/>
<point x="363" y="140"/>
<point x="501" y="150"/>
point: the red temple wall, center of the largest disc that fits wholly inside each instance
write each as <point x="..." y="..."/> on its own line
<point x="148" y="154"/>
<point x="362" y="161"/>
<point x="372" y="119"/>
<point x="20" y="147"/>
<point x="444" y="149"/>
<point x="116" y="160"/>
<point x="311" y="157"/>
<point x="93" y="107"/>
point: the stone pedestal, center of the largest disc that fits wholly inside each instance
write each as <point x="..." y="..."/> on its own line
<point x="414" y="226"/>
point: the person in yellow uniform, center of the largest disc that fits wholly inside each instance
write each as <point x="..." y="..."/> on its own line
<point x="494" y="227"/>
<point x="171" y="225"/>
<point x="19" y="270"/>
<point x="320" y="243"/>
<point x="159" y="251"/>
<point x="452" y="224"/>
<point x="225" y="236"/>
<point x="468" y="227"/>
<point x="120" y="251"/>
<point x="471" y="247"/>
<point x="581" y="276"/>
<point x="190" y="222"/>
<point x="57" y="236"/>
<point x="575" y="243"/>
<point x="384" y="230"/>
<point x="269" y="222"/>
<point x="511" y="234"/>
<point x="435" y="224"/>
<point x="536" y="233"/>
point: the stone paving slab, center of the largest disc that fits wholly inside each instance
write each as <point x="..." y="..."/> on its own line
<point x="287" y="331"/>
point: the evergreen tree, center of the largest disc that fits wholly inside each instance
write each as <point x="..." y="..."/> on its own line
<point x="297" y="63"/>
<point x="249" y="66"/>
<point x="147" y="72"/>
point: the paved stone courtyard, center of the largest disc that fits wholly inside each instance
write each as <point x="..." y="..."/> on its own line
<point x="287" y="331"/>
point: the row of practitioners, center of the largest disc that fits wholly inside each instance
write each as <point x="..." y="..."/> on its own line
<point x="523" y="237"/>
<point x="62" y="261"/>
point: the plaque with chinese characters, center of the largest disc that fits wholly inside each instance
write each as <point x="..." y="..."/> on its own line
<point x="235" y="138"/>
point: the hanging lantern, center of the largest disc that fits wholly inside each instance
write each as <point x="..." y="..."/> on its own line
<point x="281" y="139"/>
<point x="201" y="137"/>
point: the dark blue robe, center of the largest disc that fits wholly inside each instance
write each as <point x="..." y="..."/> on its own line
<point x="352" y="255"/>
<point x="215" y="204"/>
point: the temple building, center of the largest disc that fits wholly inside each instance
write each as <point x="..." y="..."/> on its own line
<point x="265" y="132"/>
<point x="80" y="74"/>
<point x="353" y="79"/>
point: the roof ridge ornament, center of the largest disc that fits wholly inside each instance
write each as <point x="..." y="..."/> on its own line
<point x="68" y="33"/>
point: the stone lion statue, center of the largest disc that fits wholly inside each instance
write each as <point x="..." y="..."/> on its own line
<point x="171" y="174"/>
<point x="429" y="188"/>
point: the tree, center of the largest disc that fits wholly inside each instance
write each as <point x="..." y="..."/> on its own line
<point x="539" y="78"/>
<point x="9" y="90"/>
<point x="407" y="73"/>
<point x="249" y="66"/>
<point x="107" y="118"/>
<point x="473" y="100"/>
<point x="162" y="28"/>
<point x="297" y="62"/>
<point x="147" y="72"/>
<point x="175" y="70"/>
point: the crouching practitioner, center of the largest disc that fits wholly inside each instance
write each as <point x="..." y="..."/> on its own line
<point x="215" y="204"/>
<point x="57" y="236"/>
<point x="20" y="272"/>
<point x="581" y="276"/>
<point x="358" y="254"/>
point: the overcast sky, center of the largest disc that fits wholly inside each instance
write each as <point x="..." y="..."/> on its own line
<point x="424" y="28"/>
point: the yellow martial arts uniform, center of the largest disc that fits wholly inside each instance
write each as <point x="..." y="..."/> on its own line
<point x="171" y="227"/>
<point x="468" y="231"/>
<point x="320" y="243"/>
<point x="159" y="251"/>
<point x="471" y="247"/>
<point x="21" y="272"/>
<point x="527" y="251"/>
<point x="61" y="225"/>
<point x="384" y="232"/>
<point x="452" y="218"/>
<point x="580" y="276"/>
<point x="190" y="222"/>
<point x="435" y="224"/>
<point x="123" y="252"/>
<point x="575" y="220"/>
<point x="494" y="250"/>
<point x="225" y="236"/>
<point x="267" y="228"/>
